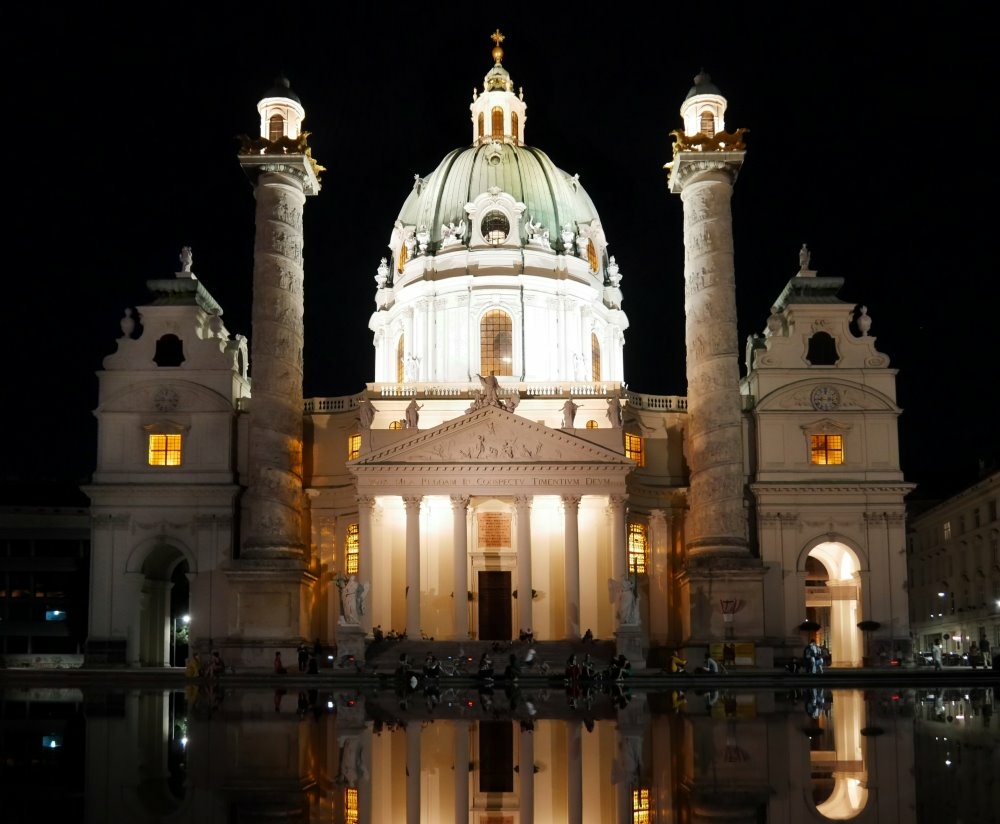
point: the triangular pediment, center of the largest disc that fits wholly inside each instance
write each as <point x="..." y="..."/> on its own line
<point x="494" y="436"/>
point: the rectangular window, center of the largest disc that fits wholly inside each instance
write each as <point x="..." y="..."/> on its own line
<point x="165" y="450"/>
<point x="353" y="447"/>
<point x="947" y="530"/>
<point x="638" y="547"/>
<point x="993" y="510"/>
<point x="352" y="544"/>
<point x="641" y="812"/>
<point x="826" y="450"/>
<point x="633" y="449"/>
<point x="350" y="806"/>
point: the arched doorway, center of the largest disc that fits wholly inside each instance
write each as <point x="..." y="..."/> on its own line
<point x="833" y="601"/>
<point x="163" y="607"/>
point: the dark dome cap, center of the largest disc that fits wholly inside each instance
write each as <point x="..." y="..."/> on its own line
<point x="282" y="88"/>
<point x="703" y="85"/>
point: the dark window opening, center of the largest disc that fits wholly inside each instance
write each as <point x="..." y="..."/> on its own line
<point x="822" y="350"/>
<point x="169" y="351"/>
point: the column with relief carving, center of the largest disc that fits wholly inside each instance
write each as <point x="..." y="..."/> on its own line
<point x="412" y="504"/>
<point x="571" y="511"/>
<point x="366" y="546"/>
<point x="460" y="544"/>
<point x="522" y="510"/>
<point x="706" y="162"/>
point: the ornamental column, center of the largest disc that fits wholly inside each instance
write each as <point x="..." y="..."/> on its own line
<point x="284" y="173"/>
<point x="571" y="510"/>
<point x="619" y="553"/>
<point x="366" y="546"/>
<point x="460" y="562"/>
<point x="706" y="162"/>
<point x="412" y="505"/>
<point x="522" y="510"/>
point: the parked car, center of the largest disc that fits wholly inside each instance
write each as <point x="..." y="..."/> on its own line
<point x="955" y="659"/>
<point x="923" y="659"/>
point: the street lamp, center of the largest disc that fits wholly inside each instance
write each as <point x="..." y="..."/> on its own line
<point x="185" y="620"/>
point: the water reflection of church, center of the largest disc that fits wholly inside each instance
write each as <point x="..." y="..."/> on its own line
<point x="317" y="756"/>
<point x="496" y="475"/>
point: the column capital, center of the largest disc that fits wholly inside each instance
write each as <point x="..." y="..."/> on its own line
<point x="523" y="501"/>
<point x="460" y="502"/>
<point x="365" y="501"/>
<point x="571" y="501"/>
<point x="412" y="501"/>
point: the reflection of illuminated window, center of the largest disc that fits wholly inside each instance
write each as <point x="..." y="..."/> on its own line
<point x="351" y="545"/>
<point x="164" y="450"/>
<point x="638" y="547"/>
<point x="633" y="449"/>
<point x="641" y="812"/>
<point x="350" y="806"/>
<point x="353" y="447"/>
<point x="826" y="449"/>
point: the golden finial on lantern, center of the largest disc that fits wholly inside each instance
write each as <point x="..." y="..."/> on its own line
<point x="497" y="38"/>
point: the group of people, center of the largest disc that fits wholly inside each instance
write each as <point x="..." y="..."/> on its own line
<point x="213" y="669"/>
<point x="813" y="658"/>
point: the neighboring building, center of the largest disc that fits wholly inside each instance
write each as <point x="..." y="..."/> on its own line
<point x="953" y="553"/>
<point x="496" y="475"/>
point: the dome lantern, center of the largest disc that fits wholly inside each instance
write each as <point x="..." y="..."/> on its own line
<point x="498" y="114"/>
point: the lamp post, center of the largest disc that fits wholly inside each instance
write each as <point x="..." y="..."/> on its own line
<point x="183" y="620"/>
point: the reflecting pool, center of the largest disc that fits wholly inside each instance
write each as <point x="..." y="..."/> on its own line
<point x="214" y="753"/>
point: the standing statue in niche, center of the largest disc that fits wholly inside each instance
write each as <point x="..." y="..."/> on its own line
<point x="569" y="413"/>
<point x="366" y="413"/>
<point x="413" y="414"/>
<point x="615" y="411"/>
<point x="187" y="258"/>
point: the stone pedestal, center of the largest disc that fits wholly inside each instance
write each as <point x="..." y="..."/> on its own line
<point x="628" y="642"/>
<point x="350" y="642"/>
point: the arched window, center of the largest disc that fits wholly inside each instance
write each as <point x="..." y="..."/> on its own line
<point x="592" y="256"/>
<point x="395" y="425"/>
<point x="513" y="125"/>
<point x="495" y="227"/>
<point x="275" y="127"/>
<point x="400" y="361"/>
<point x="169" y="351"/>
<point x="496" y="351"/>
<point x="497" y="118"/>
<point x="595" y="358"/>
<point x="822" y="350"/>
<point x="708" y="123"/>
<point x="482" y="124"/>
<point x="592" y="424"/>
<point x="352" y="548"/>
<point x="638" y="547"/>
<point x="402" y="259"/>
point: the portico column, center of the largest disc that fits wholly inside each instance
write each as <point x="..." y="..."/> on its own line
<point x="460" y="544"/>
<point x="522" y="509"/>
<point x="574" y="773"/>
<point x="526" y="776"/>
<point x="619" y="554"/>
<point x="461" y="770"/>
<point x="366" y="512"/>
<point x="571" y="510"/>
<point x="412" y="565"/>
<point x="413" y="732"/>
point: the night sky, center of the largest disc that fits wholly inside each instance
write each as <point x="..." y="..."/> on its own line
<point x="868" y="141"/>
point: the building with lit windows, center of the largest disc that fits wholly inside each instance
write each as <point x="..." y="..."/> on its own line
<point x="497" y="474"/>
<point x="953" y="554"/>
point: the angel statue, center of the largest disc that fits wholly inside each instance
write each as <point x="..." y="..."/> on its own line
<point x="624" y="593"/>
<point x="352" y="599"/>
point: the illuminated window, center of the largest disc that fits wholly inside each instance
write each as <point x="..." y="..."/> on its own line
<point x="353" y="447"/>
<point x="592" y="256"/>
<point x="395" y="425"/>
<point x="402" y="259"/>
<point x="595" y="358"/>
<point x="708" y="123"/>
<point x="947" y="530"/>
<point x="633" y="449"/>
<point x="497" y="117"/>
<point x="275" y="127"/>
<point x="351" y="545"/>
<point x="400" y="365"/>
<point x="638" y="547"/>
<point x="641" y="812"/>
<point x="826" y="449"/>
<point x="496" y="343"/>
<point x="482" y="124"/>
<point x="592" y="424"/>
<point x="350" y="806"/>
<point x="164" y="450"/>
<point x="513" y="125"/>
<point x="495" y="228"/>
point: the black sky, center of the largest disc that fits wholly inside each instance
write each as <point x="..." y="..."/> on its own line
<point x="868" y="141"/>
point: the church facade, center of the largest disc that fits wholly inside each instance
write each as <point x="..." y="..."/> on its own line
<point x="497" y="476"/>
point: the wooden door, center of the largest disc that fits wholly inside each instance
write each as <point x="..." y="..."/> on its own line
<point x="495" y="611"/>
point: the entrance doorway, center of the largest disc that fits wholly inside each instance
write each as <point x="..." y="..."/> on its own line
<point x="494" y="606"/>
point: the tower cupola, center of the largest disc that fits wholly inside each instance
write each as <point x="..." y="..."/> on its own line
<point x="498" y="114"/>
<point x="704" y="108"/>
<point x="281" y="112"/>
